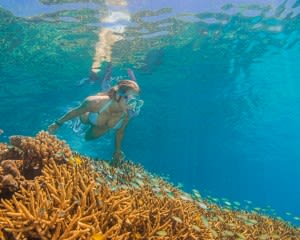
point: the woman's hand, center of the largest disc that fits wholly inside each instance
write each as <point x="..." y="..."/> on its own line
<point x="118" y="157"/>
<point x="52" y="128"/>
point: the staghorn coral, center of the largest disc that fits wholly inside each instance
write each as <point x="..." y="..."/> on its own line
<point x="72" y="204"/>
<point x="228" y="224"/>
<point x="77" y="198"/>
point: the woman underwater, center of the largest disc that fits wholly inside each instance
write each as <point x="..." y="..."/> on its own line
<point x="107" y="110"/>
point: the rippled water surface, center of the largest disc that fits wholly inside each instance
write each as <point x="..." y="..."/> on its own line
<point x="220" y="81"/>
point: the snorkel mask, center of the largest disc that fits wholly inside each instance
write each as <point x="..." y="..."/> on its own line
<point x="133" y="102"/>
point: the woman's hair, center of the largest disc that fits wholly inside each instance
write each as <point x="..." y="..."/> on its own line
<point x="122" y="87"/>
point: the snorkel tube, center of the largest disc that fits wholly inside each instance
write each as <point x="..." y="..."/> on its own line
<point x="131" y="74"/>
<point x="134" y="106"/>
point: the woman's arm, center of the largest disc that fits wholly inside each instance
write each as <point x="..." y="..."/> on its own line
<point x="83" y="108"/>
<point x="118" y="155"/>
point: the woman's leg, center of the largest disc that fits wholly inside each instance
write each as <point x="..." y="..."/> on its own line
<point x="84" y="118"/>
<point x="94" y="132"/>
<point x="77" y="126"/>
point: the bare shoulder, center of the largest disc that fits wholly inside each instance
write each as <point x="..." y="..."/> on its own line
<point x="96" y="99"/>
<point x="94" y="102"/>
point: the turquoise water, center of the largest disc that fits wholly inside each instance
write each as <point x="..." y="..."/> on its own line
<point x="220" y="83"/>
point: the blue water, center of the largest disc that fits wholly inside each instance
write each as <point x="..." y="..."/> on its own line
<point x="220" y="83"/>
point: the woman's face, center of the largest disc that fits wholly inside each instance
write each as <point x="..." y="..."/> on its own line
<point x="130" y="100"/>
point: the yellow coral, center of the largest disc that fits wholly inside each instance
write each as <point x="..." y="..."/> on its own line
<point x="76" y="160"/>
<point x="98" y="236"/>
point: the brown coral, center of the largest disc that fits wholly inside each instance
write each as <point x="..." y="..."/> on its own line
<point x="38" y="151"/>
<point x="9" y="152"/>
<point x="10" y="178"/>
<point x="9" y="183"/>
<point x="10" y="167"/>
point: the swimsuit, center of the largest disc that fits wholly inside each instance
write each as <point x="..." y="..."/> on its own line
<point x="93" y="116"/>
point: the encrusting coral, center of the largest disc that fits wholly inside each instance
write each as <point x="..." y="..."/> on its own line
<point x="74" y="197"/>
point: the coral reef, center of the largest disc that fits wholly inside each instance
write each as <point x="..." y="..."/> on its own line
<point x="75" y="197"/>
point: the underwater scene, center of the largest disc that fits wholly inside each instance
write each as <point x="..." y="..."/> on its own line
<point x="140" y="119"/>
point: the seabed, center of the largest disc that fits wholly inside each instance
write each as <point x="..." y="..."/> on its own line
<point x="49" y="192"/>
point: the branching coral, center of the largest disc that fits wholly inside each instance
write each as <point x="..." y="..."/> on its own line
<point x="228" y="224"/>
<point x="74" y="197"/>
<point x="72" y="204"/>
<point x="49" y="208"/>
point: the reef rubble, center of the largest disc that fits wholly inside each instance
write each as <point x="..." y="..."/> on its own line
<point x="49" y="192"/>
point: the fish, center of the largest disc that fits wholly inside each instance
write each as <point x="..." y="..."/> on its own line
<point x="264" y="237"/>
<point x="1" y="131"/>
<point x="202" y="205"/>
<point x="82" y="81"/>
<point x="137" y="236"/>
<point x="196" y="228"/>
<point x="138" y="181"/>
<point x="250" y="222"/>
<point x="186" y="197"/>
<point x="177" y="219"/>
<point x="162" y="233"/>
<point x="75" y="160"/>
<point x="171" y="195"/>
<point x="241" y="236"/>
<point x="196" y="193"/>
<point x="297" y="218"/>
<point x="227" y="233"/>
<point x="98" y="236"/>
<point x="135" y="185"/>
<point x="205" y="221"/>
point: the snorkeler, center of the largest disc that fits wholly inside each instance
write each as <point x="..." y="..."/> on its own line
<point x="105" y="111"/>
